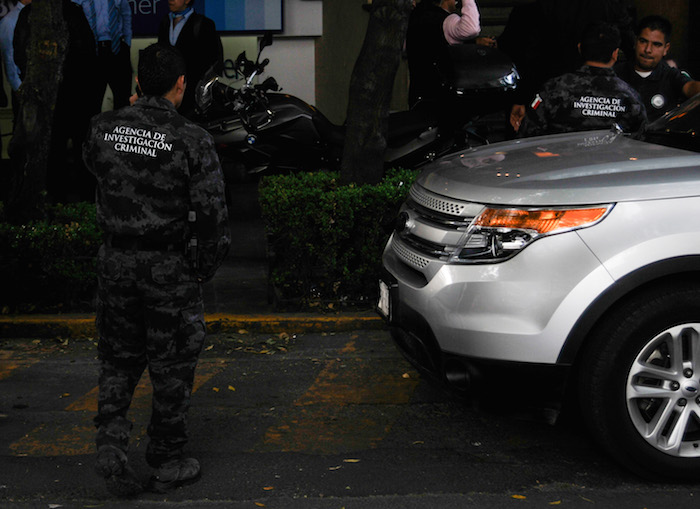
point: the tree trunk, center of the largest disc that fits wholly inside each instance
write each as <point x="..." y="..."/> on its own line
<point x="31" y="141"/>
<point x="370" y="92"/>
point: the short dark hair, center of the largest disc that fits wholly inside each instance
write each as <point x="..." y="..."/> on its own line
<point x="598" y="42"/>
<point x="160" y="65"/>
<point x="655" y="22"/>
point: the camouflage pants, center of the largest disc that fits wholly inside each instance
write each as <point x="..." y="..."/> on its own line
<point x="150" y="314"/>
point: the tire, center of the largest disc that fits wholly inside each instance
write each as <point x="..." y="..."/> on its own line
<point x="639" y="383"/>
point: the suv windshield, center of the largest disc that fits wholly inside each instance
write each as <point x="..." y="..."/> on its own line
<point x="677" y="128"/>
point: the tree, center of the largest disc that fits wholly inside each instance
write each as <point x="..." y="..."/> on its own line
<point x="370" y="91"/>
<point x="30" y="144"/>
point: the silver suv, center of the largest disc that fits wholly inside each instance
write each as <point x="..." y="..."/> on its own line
<point x="564" y="266"/>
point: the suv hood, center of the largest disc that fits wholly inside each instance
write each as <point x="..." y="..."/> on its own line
<point x="582" y="168"/>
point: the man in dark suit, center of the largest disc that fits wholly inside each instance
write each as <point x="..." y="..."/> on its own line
<point x="195" y="36"/>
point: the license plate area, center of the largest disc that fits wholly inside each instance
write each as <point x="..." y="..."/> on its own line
<point x="385" y="303"/>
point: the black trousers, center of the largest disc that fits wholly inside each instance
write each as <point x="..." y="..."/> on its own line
<point x="115" y="71"/>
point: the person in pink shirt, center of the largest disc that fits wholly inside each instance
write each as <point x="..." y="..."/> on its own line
<point x="460" y="27"/>
<point x="432" y="27"/>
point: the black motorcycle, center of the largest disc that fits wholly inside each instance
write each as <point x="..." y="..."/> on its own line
<point x="257" y="129"/>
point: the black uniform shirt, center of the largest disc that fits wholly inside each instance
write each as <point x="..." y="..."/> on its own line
<point x="661" y="91"/>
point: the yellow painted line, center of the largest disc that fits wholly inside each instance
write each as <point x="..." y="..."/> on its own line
<point x="79" y="326"/>
<point x="77" y="437"/>
<point x="13" y="360"/>
<point x="338" y="412"/>
<point x="293" y="323"/>
<point x="7" y="368"/>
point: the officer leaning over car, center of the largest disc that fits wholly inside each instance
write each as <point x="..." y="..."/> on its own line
<point x="161" y="206"/>
<point x="592" y="97"/>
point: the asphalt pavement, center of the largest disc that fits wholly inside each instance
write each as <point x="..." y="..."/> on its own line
<point x="317" y="420"/>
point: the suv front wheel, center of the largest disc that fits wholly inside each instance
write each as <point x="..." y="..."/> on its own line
<point x="639" y="383"/>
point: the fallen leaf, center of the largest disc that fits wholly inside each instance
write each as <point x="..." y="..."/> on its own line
<point x="259" y="504"/>
<point x="405" y="375"/>
<point x="268" y="488"/>
<point x="335" y="468"/>
<point x="519" y="497"/>
<point x="351" y="460"/>
<point x="215" y="389"/>
<point x="65" y="395"/>
<point x="231" y="388"/>
<point x="209" y="347"/>
<point x="556" y="502"/>
<point x="418" y="442"/>
<point x="242" y="331"/>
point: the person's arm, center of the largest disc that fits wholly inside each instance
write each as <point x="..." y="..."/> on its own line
<point x="213" y="49"/>
<point x="460" y="28"/>
<point x="8" y="55"/>
<point x="691" y="88"/>
<point x="208" y="201"/>
<point x="125" y="10"/>
<point x="536" y="121"/>
<point x="517" y="114"/>
<point x="20" y="41"/>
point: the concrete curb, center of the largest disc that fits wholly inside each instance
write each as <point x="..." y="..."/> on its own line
<point x="77" y="326"/>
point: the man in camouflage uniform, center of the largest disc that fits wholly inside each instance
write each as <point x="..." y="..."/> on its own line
<point x="592" y="97"/>
<point x="161" y="206"/>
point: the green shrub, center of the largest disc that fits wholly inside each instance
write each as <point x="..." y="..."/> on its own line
<point x="49" y="265"/>
<point x="327" y="239"/>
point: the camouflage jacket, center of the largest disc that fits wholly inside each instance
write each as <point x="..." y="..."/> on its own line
<point x="590" y="98"/>
<point x="153" y="168"/>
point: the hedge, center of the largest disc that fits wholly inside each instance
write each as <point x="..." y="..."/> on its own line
<point x="326" y="239"/>
<point x="49" y="265"/>
<point x="326" y="242"/>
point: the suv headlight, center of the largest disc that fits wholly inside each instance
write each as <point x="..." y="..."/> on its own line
<point x="497" y="234"/>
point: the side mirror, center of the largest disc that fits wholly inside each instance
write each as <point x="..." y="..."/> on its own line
<point x="266" y="40"/>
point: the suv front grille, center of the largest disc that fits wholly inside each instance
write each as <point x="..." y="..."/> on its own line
<point x="437" y="225"/>
<point x="409" y="257"/>
<point x="439" y="204"/>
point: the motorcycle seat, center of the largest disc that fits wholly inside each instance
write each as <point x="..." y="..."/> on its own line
<point x="333" y="134"/>
<point x="405" y="125"/>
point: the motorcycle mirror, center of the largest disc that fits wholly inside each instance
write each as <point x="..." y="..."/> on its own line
<point x="265" y="40"/>
<point x="204" y="92"/>
<point x="270" y="84"/>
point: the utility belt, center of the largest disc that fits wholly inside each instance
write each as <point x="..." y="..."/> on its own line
<point x="135" y="243"/>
